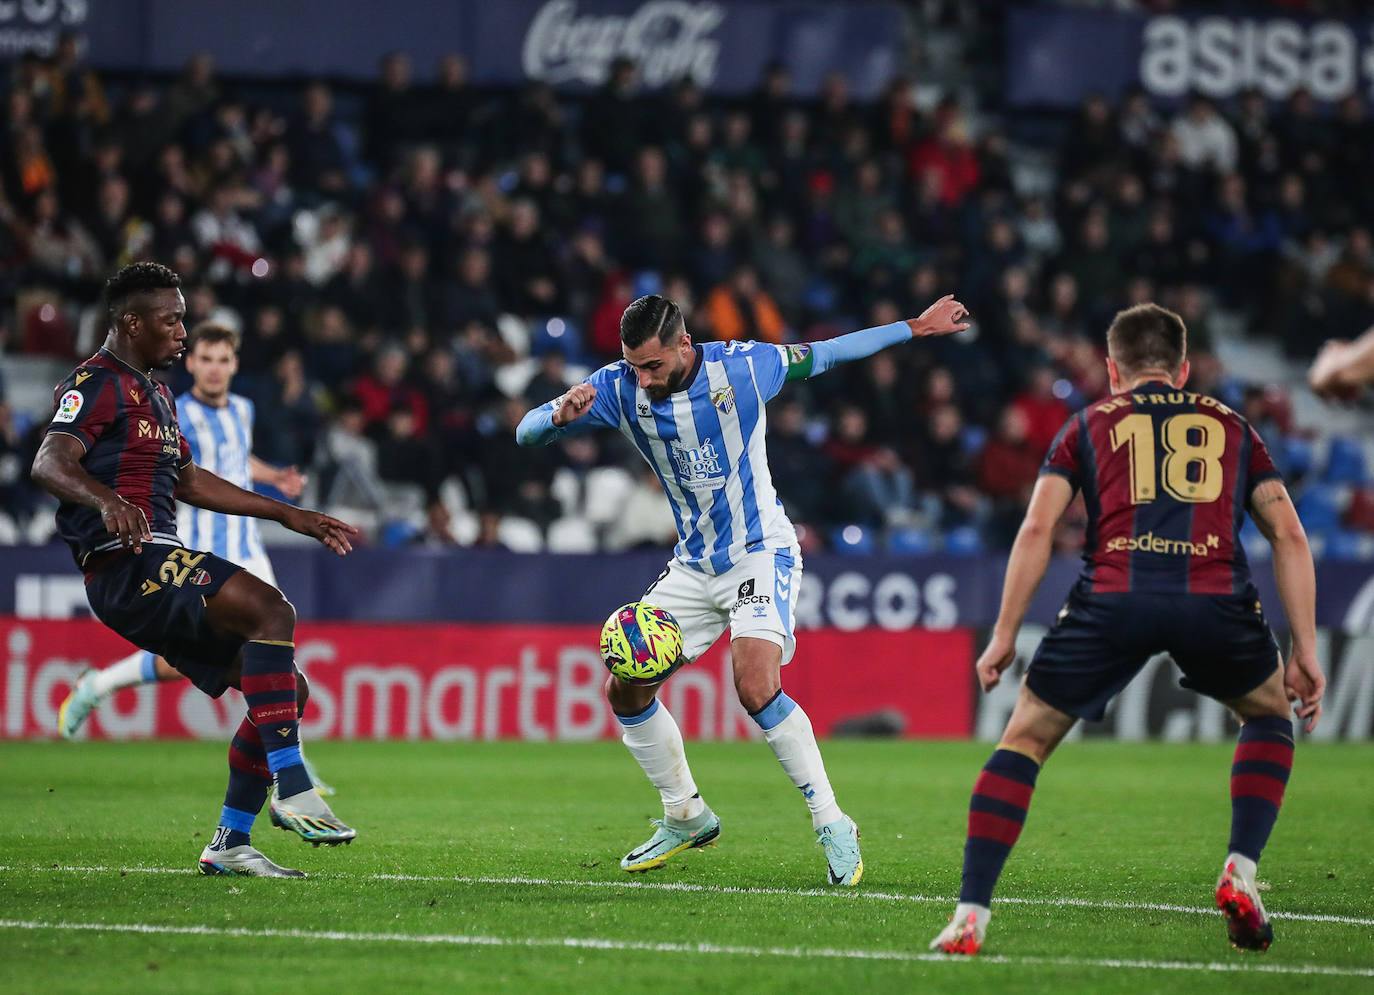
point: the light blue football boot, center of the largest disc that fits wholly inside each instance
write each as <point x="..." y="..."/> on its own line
<point x="840" y="840"/>
<point x="668" y="840"/>
<point x="71" y="714"/>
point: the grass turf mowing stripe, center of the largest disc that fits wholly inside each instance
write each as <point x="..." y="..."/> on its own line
<point x="594" y="943"/>
<point x="1082" y="903"/>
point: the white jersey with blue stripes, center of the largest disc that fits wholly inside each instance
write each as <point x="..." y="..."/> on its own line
<point x="221" y="439"/>
<point x="705" y="442"/>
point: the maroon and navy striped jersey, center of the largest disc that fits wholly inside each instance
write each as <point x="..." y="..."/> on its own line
<point x="1166" y="477"/>
<point x="127" y="423"/>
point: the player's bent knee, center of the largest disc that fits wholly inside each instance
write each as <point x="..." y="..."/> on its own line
<point x="756" y="690"/>
<point x="628" y="699"/>
<point x="276" y="618"/>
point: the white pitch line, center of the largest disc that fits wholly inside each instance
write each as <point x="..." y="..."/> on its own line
<point x="843" y="894"/>
<point x="594" y="943"/>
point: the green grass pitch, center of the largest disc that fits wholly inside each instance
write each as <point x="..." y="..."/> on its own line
<point x="494" y="867"/>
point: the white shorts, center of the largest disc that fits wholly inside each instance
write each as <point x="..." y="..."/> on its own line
<point x="260" y="567"/>
<point x="754" y="597"/>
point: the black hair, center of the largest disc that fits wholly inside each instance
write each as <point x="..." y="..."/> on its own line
<point x="136" y="278"/>
<point x="650" y="316"/>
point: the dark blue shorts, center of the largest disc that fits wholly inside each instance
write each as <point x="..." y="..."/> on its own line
<point x="156" y="600"/>
<point x="1221" y="642"/>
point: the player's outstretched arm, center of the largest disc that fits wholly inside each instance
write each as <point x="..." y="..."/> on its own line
<point x="200" y="487"/>
<point x="943" y="317"/>
<point x="57" y="469"/>
<point x="286" y="479"/>
<point x="1273" y="512"/>
<point x="544" y="424"/>
<point x="1030" y="556"/>
<point x="1342" y="368"/>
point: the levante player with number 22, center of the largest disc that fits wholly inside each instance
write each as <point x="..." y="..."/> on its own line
<point x="1167" y="476"/>
<point x="116" y="460"/>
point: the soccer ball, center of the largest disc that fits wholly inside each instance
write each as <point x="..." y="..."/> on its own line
<point x="641" y="644"/>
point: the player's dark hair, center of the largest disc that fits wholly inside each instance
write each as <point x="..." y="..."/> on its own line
<point x="134" y="279"/>
<point x="650" y="316"/>
<point x="212" y="333"/>
<point x="1147" y="337"/>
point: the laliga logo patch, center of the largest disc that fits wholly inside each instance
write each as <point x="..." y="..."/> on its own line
<point x="724" y="399"/>
<point x="200" y="578"/>
<point x="69" y="406"/>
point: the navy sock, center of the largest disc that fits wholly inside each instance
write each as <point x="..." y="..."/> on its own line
<point x="269" y="685"/>
<point x="996" y="814"/>
<point x="1259" y="774"/>
<point x="249" y="781"/>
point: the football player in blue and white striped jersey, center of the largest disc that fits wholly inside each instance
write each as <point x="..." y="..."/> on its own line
<point x="696" y="414"/>
<point x="218" y="426"/>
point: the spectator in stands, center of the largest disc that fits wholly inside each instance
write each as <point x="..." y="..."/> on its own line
<point x="876" y="487"/>
<point x="1007" y="470"/>
<point x="741" y="310"/>
<point x="383" y="389"/>
<point x="1206" y="140"/>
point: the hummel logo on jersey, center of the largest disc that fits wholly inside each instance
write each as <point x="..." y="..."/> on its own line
<point x="284" y="731"/>
<point x="82" y="376"/>
<point x="150" y="587"/>
<point x="643" y="409"/>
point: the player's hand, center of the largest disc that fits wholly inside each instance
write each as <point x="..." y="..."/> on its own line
<point x="999" y="655"/>
<point x="1326" y="375"/>
<point x="126" y="521"/>
<point x="290" y="482"/>
<point x="329" y="531"/>
<point x="1305" y="683"/>
<point x="574" y="404"/>
<point x="941" y="318"/>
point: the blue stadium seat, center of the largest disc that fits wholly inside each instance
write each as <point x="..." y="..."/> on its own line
<point x="963" y="541"/>
<point x="555" y="333"/>
<point x="647" y="281"/>
<point x="856" y="539"/>
<point x="399" y="533"/>
<point x="1320" y="508"/>
<point x="1345" y="461"/>
<point x="1342" y="544"/>
<point x="911" y="542"/>
<point x="1253" y="542"/>
<point x="1298" y="456"/>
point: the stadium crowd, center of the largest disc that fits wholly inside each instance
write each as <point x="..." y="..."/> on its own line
<point x="412" y="266"/>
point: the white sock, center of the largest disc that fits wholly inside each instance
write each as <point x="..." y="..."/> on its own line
<point x="788" y="731"/>
<point x="1245" y="867"/>
<point x="981" y="916"/>
<point x="125" y="673"/>
<point x="656" y="742"/>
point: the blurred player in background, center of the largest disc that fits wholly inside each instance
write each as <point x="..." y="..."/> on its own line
<point x="696" y="414"/>
<point x="218" y="425"/>
<point x="114" y="457"/>
<point x="1342" y="368"/>
<point x="1167" y="476"/>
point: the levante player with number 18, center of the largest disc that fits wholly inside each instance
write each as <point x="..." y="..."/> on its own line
<point x="1167" y="476"/>
<point x="116" y="460"/>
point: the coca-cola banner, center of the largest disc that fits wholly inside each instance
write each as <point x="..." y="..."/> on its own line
<point x="723" y="45"/>
<point x="496" y="682"/>
<point x="1056" y="57"/>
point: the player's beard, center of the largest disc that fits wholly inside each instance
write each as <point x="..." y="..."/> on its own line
<point x="674" y="382"/>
